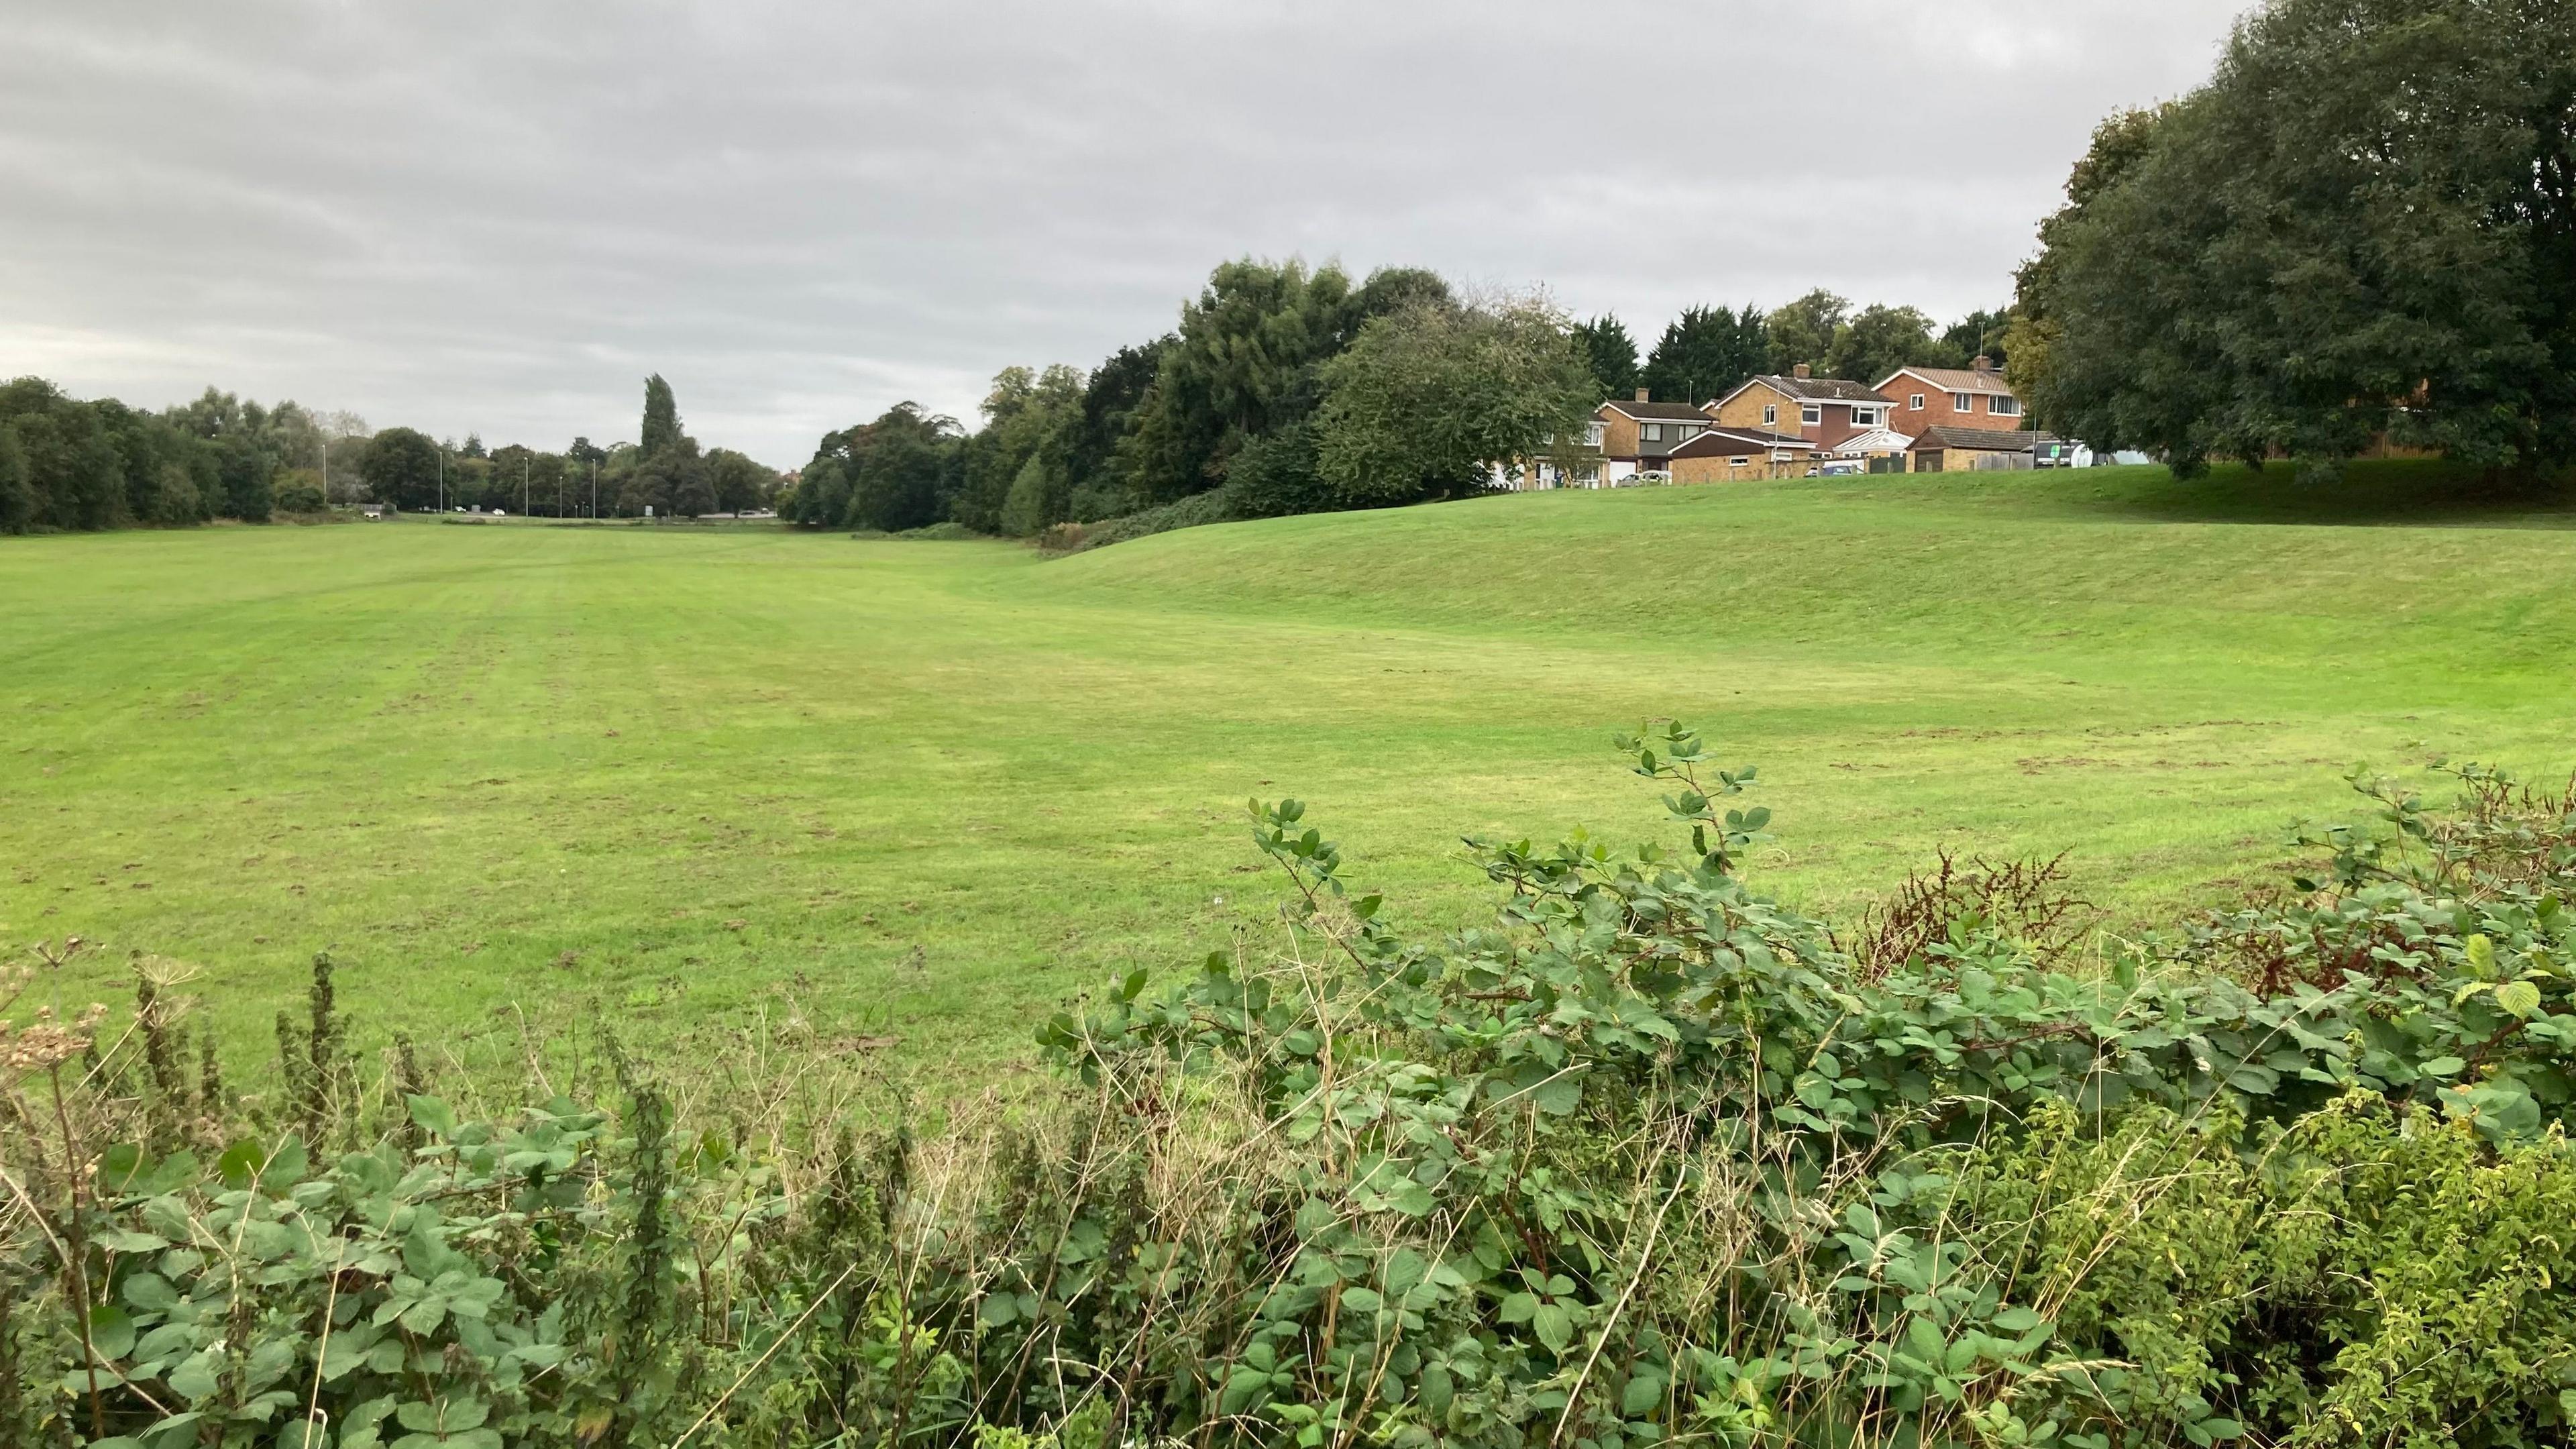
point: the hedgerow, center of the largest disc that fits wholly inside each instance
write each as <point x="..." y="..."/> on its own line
<point x="1646" y="1158"/>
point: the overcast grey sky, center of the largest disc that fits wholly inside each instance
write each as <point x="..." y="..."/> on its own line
<point x="499" y="217"/>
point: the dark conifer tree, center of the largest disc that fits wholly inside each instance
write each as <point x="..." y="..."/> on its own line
<point x="1612" y="354"/>
<point x="661" y="418"/>
<point x="1704" y="353"/>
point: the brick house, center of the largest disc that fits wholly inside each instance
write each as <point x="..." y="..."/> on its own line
<point x="1822" y="410"/>
<point x="1639" y="435"/>
<point x="1721" y="453"/>
<point x="1950" y="397"/>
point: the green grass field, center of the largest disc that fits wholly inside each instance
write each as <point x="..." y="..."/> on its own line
<point x="925" y="791"/>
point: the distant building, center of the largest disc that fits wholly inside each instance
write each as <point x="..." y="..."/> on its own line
<point x="1823" y="410"/>
<point x="1950" y="397"/>
<point x="1960" y="450"/>
<point x="1721" y="454"/>
<point x="1639" y="436"/>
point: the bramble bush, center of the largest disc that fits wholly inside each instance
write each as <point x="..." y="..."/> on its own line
<point x="1646" y="1158"/>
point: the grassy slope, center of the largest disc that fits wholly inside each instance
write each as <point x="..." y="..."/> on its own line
<point x="923" y="790"/>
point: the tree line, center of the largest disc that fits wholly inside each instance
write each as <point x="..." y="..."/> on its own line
<point x="667" y="474"/>
<point x="69" y="464"/>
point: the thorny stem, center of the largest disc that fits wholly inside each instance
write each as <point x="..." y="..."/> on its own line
<point x="80" y="1252"/>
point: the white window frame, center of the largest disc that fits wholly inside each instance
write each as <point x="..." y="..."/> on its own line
<point x="2002" y="406"/>
<point x="1865" y="417"/>
<point x="1770" y="415"/>
<point x="1651" y="432"/>
<point x="1811" y="414"/>
<point x="1914" y="404"/>
<point x="1963" y="402"/>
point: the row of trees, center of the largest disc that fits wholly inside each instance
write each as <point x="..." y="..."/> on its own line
<point x="1707" y="352"/>
<point x="1284" y="390"/>
<point x="2362" y="228"/>
<point x="667" y="474"/>
<point x="70" y="464"/>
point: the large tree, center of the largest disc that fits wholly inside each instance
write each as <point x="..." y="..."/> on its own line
<point x="75" y="476"/>
<point x="1704" y="353"/>
<point x="1979" y="334"/>
<point x="2364" y="226"/>
<point x="1017" y="475"/>
<point x="1804" y="330"/>
<point x="1110" y="398"/>
<point x="902" y="469"/>
<point x="1879" y="339"/>
<point x="739" y="482"/>
<point x="668" y="483"/>
<point x="1428" y="399"/>
<point x="401" y="468"/>
<point x="1245" y="363"/>
<point x="661" y="427"/>
<point x="1611" y="354"/>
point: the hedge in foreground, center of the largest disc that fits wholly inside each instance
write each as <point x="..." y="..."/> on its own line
<point x="1645" y="1159"/>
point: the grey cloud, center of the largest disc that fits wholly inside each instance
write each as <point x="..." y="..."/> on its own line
<point x="499" y="217"/>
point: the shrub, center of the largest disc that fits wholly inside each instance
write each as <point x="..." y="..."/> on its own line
<point x="299" y="490"/>
<point x="1190" y="512"/>
<point x="1645" y="1158"/>
<point x="1276" y="475"/>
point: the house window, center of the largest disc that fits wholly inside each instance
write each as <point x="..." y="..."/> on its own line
<point x="2004" y="407"/>
<point x="1963" y="402"/>
<point x="1812" y="414"/>
<point x="1771" y="415"/>
<point x="1914" y="404"/>
<point x="1684" y="432"/>
<point x="1652" y="432"/>
<point x="1592" y="433"/>
<point x="1864" y="417"/>
<point x="1738" y="462"/>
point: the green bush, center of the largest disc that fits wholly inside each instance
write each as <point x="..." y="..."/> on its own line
<point x="1190" y="512"/>
<point x="299" y="490"/>
<point x="1645" y="1158"/>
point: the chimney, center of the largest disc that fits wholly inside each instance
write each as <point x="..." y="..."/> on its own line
<point x="1802" y="372"/>
<point x="1983" y="363"/>
<point x="1641" y="395"/>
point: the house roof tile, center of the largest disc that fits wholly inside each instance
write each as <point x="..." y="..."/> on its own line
<point x="1655" y="412"/>
<point x="1719" y="442"/>
<point x="1954" y="379"/>
<point x="1820" y="389"/>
